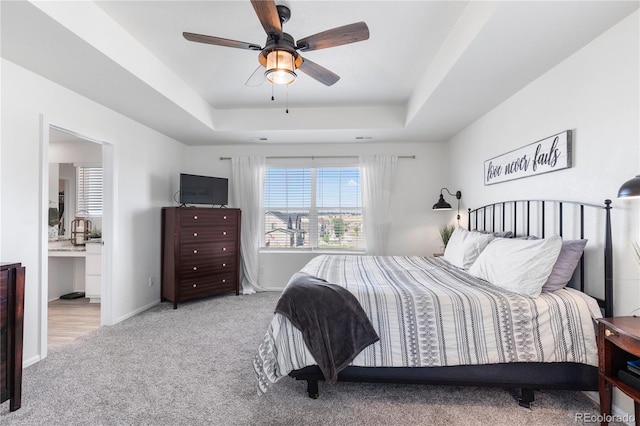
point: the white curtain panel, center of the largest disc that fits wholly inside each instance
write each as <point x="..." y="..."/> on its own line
<point x="378" y="173"/>
<point x="246" y="186"/>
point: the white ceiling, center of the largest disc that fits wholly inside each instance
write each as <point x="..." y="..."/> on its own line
<point x="428" y="70"/>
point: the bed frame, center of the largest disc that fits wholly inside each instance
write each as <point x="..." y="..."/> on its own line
<point x="500" y="217"/>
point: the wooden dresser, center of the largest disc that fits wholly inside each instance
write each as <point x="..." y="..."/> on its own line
<point x="11" y="332"/>
<point x="200" y="252"/>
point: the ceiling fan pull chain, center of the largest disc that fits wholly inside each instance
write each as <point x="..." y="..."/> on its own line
<point x="272" y="98"/>
<point x="287" y="107"/>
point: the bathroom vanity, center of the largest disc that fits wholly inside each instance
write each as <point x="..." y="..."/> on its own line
<point x="75" y="268"/>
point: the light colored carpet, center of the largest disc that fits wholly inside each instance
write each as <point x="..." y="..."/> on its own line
<point x="193" y="366"/>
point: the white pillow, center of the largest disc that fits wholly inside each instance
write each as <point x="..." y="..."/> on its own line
<point x="464" y="247"/>
<point x="454" y="251"/>
<point x="520" y="266"/>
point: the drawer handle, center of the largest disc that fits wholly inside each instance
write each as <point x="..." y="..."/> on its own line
<point x="224" y="232"/>
<point x="195" y="218"/>
<point x="195" y="285"/>
<point x="224" y="217"/>
<point x="195" y="234"/>
<point x="224" y="249"/>
<point x="224" y="264"/>
<point x="224" y="280"/>
<point x="195" y="251"/>
<point x="609" y="333"/>
<point x="195" y="268"/>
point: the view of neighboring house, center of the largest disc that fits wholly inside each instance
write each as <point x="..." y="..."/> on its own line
<point x="284" y="229"/>
<point x="335" y="230"/>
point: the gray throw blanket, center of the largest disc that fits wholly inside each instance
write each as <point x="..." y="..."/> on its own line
<point x="334" y="326"/>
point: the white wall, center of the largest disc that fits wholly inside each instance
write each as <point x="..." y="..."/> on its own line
<point x="595" y="93"/>
<point x="77" y="151"/>
<point x="145" y="160"/>
<point x="414" y="229"/>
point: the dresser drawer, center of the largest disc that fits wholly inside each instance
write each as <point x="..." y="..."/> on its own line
<point x="210" y="284"/>
<point x="208" y="234"/>
<point x="4" y="316"/>
<point x="4" y="382"/>
<point x="189" y="270"/>
<point x="207" y="217"/>
<point x="4" y="330"/>
<point x="621" y="340"/>
<point x="201" y="252"/>
<point x="4" y="285"/>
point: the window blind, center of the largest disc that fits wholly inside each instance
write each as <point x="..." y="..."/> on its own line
<point x="313" y="208"/>
<point x="89" y="190"/>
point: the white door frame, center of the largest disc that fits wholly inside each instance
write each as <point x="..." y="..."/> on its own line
<point x="109" y="221"/>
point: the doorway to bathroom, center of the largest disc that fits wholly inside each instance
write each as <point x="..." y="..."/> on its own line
<point x="76" y="281"/>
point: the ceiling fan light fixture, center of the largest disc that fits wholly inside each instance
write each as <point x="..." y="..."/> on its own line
<point x="281" y="66"/>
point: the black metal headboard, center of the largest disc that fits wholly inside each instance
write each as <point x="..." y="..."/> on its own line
<point x="541" y="214"/>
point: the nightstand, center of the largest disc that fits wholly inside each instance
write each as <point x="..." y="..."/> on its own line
<point x="618" y="342"/>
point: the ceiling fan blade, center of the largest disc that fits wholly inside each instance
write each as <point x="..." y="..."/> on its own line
<point x="256" y="78"/>
<point x="218" y="41"/>
<point x="268" y="16"/>
<point x="318" y="72"/>
<point x="335" y="37"/>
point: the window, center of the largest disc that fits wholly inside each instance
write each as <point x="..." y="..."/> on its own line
<point x="313" y="208"/>
<point x="89" y="190"/>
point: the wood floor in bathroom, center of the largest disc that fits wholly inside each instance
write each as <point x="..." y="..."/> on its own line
<point x="69" y="319"/>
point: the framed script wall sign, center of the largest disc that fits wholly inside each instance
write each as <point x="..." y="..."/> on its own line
<point x="547" y="155"/>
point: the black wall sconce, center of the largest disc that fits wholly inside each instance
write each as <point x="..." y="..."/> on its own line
<point x="630" y="188"/>
<point x="442" y="203"/>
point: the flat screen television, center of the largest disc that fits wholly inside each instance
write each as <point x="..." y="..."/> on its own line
<point x="196" y="189"/>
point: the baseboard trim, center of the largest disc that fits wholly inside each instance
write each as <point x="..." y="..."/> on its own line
<point x="31" y="361"/>
<point x="265" y="289"/>
<point x="616" y="411"/>
<point x="137" y="311"/>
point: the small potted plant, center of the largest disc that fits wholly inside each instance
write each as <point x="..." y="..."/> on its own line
<point x="445" y="232"/>
<point x="95" y="235"/>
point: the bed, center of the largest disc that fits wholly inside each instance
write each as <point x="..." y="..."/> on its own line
<point x="437" y="323"/>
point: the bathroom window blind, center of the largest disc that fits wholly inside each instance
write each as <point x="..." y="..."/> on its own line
<point x="89" y="191"/>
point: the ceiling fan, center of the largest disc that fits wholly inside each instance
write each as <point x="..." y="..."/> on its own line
<point x="280" y="56"/>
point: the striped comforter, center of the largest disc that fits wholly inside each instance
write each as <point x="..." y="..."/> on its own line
<point x="430" y="313"/>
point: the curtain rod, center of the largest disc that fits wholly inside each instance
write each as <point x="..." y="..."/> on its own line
<point x="313" y="157"/>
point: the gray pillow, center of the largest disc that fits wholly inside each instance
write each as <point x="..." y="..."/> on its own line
<point x="505" y="234"/>
<point x="527" y="237"/>
<point x="564" y="267"/>
<point x="499" y="234"/>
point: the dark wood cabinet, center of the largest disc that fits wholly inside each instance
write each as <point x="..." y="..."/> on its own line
<point x="11" y="333"/>
<point x="618" y="342"/>
<point x="200" y="252"/>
